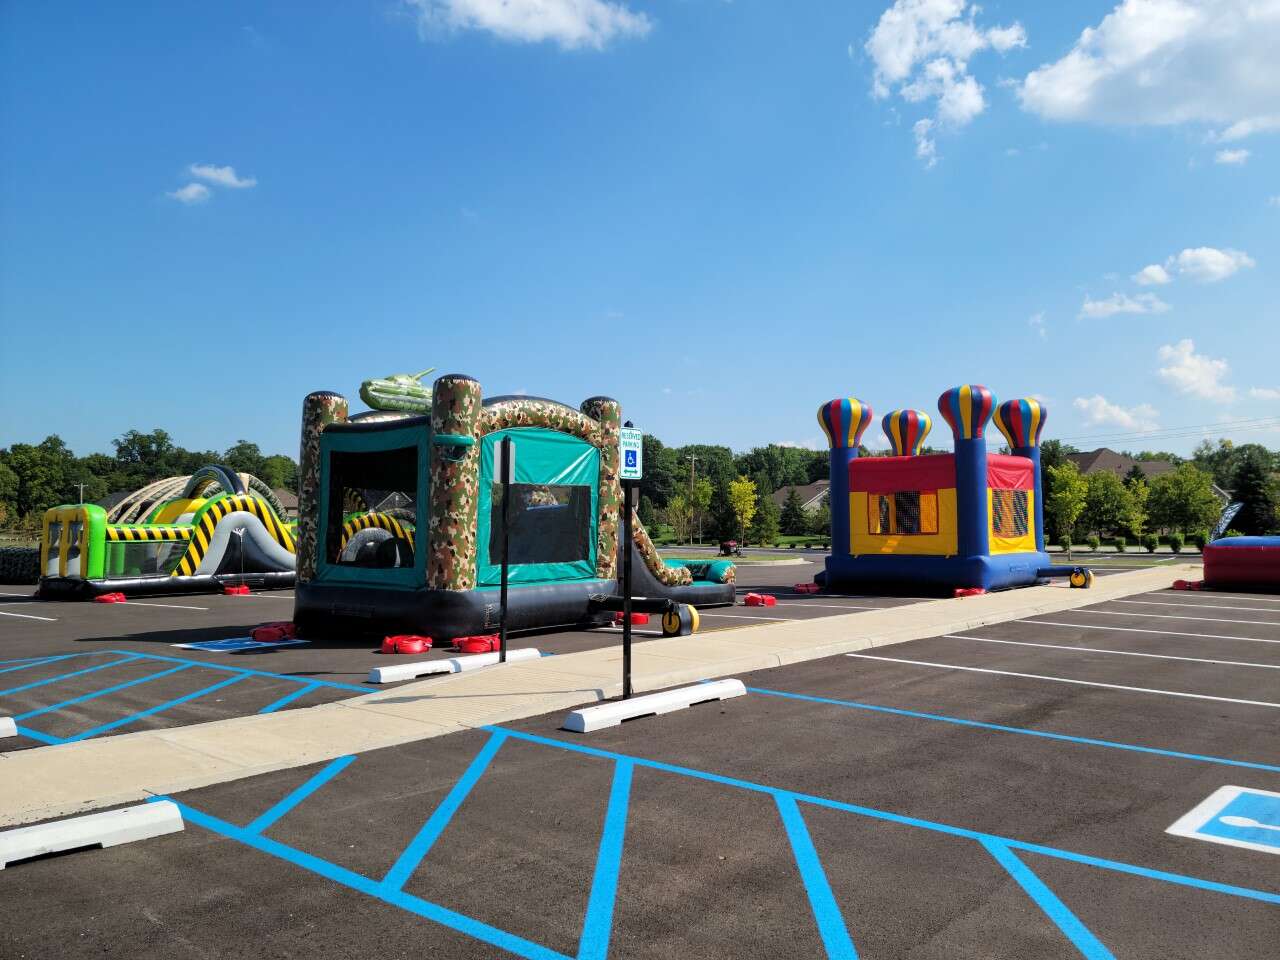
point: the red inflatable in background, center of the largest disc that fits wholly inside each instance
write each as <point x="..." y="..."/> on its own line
<point x="1234" y="562"/>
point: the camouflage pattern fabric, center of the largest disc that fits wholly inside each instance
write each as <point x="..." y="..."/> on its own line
<point x="536" y="413"/>
<point x="607" y="414"/>
<point x="671" y="576"/>
<point x="318" y="411"/>
<point x="455" y="486"/>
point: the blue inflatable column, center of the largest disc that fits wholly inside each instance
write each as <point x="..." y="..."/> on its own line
<point x="1022" y="422"/>
<point x="844" y="421"/>
<point x="967" y="410"/>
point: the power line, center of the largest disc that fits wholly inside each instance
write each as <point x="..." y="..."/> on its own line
<point x="1182" y="432"/>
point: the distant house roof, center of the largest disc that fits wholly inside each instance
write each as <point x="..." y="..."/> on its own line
<point x="811" y="494"/>
<point x="288" y="499"/>
<point x="1117" y="463"/>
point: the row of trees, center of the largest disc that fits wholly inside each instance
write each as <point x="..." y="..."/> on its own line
<point x="34" y="477"/>
<point x="1182" y="501"/>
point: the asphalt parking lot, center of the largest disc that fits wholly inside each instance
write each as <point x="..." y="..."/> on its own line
<point x="1005" y="792"/>
<point x="71" y="671"/>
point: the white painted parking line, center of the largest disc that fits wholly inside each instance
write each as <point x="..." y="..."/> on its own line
<point x="26" y="616"/>
<point x="1161" y="633"/>
<point x="1122" y="653"/>
<point x="1215" y="595"/>
<point x="1083" y="683"/>
<point x="1215" y="606"/>
<point x="1172" y="616"/>
<point x="17" y="595"/>
<point x="742" y="616"/>
<point x="264" y="596"/>
<point x="167" y="606"/>
<point x="825" y="606"/>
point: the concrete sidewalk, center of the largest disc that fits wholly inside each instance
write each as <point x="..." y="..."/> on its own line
<point x="55" y="781"/>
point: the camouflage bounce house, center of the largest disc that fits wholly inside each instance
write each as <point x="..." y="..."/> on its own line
<point x="399" y="517"/>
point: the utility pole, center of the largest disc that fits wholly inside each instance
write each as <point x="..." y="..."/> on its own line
<point x="693" y="465"/>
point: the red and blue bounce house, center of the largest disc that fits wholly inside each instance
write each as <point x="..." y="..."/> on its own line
<point x="1243" y="563"/>
<point x="968" y="520"/>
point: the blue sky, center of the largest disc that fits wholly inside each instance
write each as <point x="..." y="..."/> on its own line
<point x="722" y="214"/>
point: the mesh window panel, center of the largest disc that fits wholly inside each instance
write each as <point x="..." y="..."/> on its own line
<point x="1009" y="512"/>
<point x="906" y="509"/>
<point x="384" y="481"/>
<point x="550" y="523"/>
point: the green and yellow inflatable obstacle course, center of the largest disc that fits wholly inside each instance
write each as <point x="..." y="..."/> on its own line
<point x="399" y="517"/>
<point x="177" y="535"/>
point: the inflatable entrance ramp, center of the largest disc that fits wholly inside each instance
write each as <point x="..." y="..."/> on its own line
<point x="177" y="535"/>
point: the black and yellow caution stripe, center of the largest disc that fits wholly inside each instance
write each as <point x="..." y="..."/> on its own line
<point x="403" y="531"/>
<point x="213" y="514"/>
<point x="128" y="534"/>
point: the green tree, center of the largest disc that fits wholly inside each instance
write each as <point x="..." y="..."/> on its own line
<point x="1134" y="475"/>
<point x="1254" y="486"/>
<point x="742" y="501"/>
<point x="1183" y="500"/>
<point x="662" y="472"/>
<point x="1108" y="505"/>
<point x="280" y="471"/>
<point x="820" y="519"/>
<point x="1053" y="453"/>
<point x="1064" y="501"/>
<point x="793" y="520"/>
<point x="678" y="516"/>
<point x="1139" y="494"/>
<point x="764" y="528"/>
<point x="244" y="457"/>
<point x="700" y="503"/>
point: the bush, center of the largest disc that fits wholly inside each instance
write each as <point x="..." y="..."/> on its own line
<point x="1094" y="541"/>
<point x="1175" y="542"/>
<point x="1151" y="541"/>
<point x="1064" y="541"/>
<point x="1233" y="533"/>
<point x="1199" y="540"/>
<point x="1121" y="544"/>
<point x="19" y="564"/>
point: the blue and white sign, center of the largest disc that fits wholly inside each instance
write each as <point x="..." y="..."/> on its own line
<point x="235" y="644"/>
<point x="631" y="444"/>
<point x="1235" y="816"/>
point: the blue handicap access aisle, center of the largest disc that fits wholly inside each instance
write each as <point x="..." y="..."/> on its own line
<point x="839" y="938"/>
<point x="102" y="662"/>
<point x="1241" y="817"/>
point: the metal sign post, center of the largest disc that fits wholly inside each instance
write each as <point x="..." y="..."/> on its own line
<point x="505" y="473"/>
<point x="631" y="449"/>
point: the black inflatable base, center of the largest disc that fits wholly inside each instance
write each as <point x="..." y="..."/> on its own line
<point x="73" y="588"/>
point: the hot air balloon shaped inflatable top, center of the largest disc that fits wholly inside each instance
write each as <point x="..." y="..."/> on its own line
<point x="962" y="520"/>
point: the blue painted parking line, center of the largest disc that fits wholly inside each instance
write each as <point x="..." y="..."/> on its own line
<point x="598" y="925"/>
<point x="55" y="707"/>
<point x="1057" y="911"/>
<point x="1001" y="728"/>
<point x="67" y="676"/>
<point x="237" y="644"/>
<point x="1236" y="817"/>
<point x="295" y="797"/>
<point x="408" y="861"/>
<point x="255" y="673"/>
<point x="288" y="698"/>
<point x="39" y="661"/>
<point x="831" y="926"/>
<point x="151" y="711"/>
<point x="372" y="888"/>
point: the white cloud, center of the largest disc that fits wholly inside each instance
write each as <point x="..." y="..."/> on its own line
<point x="1192" y="373"/>
<point x="1274" y="201"/>
<point x="191" y="193"/>
<point x="922" y="48"/>
<point x="1152" y="275"/>
<point x="1264" y="393"/>
<point x="1209" y="264"/>
<point x="222" y="176"/>
<point x="1231" y="158"/>
<point x="1036" y="322"/>
<point x="1098" y="410"/>
<point x="1121" y="303"/>
<point x="569" y="23"/>
<point x="1161" y="62"/>
<point x="813" y="443"/>
<point x="926" y="146"/>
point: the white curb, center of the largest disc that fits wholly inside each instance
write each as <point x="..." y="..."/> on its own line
<point x="108" y="829"/>
<point x="611" y="714"/>
<point x="8" y="728"/>
<point x="408" y="671"/>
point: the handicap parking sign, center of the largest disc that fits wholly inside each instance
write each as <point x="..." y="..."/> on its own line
<point x="1235" y="816"/>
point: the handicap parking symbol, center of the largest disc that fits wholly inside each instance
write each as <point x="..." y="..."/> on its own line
<point x="631" y="459"/>
<point x="1235" y="816"/>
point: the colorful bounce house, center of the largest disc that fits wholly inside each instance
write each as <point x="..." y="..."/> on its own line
<point x="399" y="526"/>
<point x="1243" y="563"/>
<point x="968" y="520"/>
<point x="178" y="535"/>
